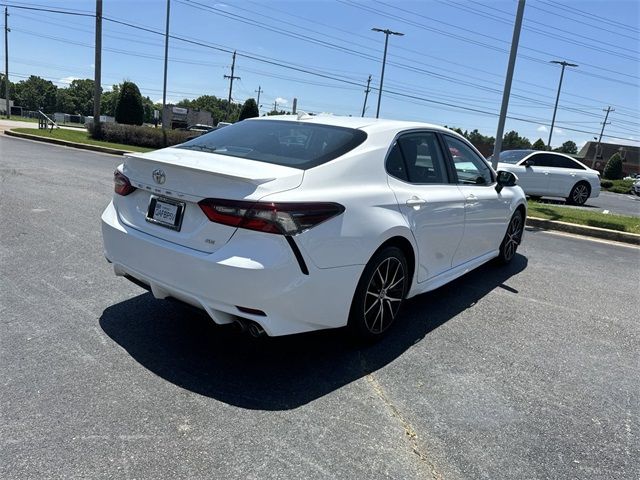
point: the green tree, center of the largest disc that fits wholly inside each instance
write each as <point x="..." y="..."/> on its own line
<point x="455" y="129"/>
<point x="277" y="112"/>
<point x="64" y="102"/>
<point x="481" y="142"/>
<point x="81" y="93"/>
<point x="513" y="141"/>
<point x="249" y="109"/>
<point x="567" y="147"/>
<point x="35" y="93"/>
<point x="613" y="168"/>
<point x="539" y="145"/>
<point x="109" y="100"/>
<point x="3" y="86"/>
<point x="129" y="109"/>
<point x="148" y="107"/>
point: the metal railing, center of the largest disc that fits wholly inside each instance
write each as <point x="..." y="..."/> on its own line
<point x="44" y="122"/>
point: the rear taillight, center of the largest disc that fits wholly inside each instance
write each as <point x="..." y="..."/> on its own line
<point x="121" y="184"/>
<point x="282" y="218"/>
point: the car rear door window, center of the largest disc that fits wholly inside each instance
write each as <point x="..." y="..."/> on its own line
<point x="564" y="162"/>
<point x="544" y="160"/>
<point x="470" y="167"/>
<point x="423" y="158"/>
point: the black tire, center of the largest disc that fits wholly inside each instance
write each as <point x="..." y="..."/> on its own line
<point x="379" y="295"/>
<point x="579" y="194"/>
<point x="512" y="238"/>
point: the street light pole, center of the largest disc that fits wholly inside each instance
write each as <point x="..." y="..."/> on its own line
<point x="553" y="120"/>
<point x="166" y="61"/>
<point x="386" y="32"/>
<point x="517" y="26"/>
<point x="7" y="87"/>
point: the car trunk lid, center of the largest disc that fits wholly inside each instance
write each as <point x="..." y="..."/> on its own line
<point x="170" y="182"/>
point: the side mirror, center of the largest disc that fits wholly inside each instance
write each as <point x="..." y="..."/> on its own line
<point x="506" y="179"/>
<point x="529" y="163"/>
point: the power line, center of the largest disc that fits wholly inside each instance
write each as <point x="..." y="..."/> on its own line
<point x="553" y="33"/>
<point x="50" y="10"/>
<point x="476" y="42"/>
<point x="401" y="65"/>
<point x="582" y="13"/>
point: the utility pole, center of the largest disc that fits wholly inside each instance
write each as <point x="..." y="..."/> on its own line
<point x="386" y="32"/>
<point x="231" y="79"/>
<point x="7" y="87"/>
<point x="604" y="124"/>
<point x="166" y="58"/>
<point x="553" y="120"/>
<point x="275" y="106"/>
<point x="97" y="81"/>
<point x="497" y="148"/>
<point x="608" y="110"/>
<point x="366" y="94"/>
<point x="258" y="100"/>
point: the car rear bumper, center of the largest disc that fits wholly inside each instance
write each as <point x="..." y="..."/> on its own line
<point x="253" y="270"/>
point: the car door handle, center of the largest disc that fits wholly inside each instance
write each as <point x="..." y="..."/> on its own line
<point x="471" y="197"/>
<point x="415" y="202"/>
<point x="547" y="173"/>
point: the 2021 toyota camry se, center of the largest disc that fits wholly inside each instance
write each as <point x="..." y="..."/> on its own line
<point x="289" y="224"/>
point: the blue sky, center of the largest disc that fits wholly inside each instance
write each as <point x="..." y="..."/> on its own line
<point x="454" y="52"/>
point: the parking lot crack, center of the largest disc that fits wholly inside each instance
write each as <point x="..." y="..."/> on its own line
<point x="410" y="434"/>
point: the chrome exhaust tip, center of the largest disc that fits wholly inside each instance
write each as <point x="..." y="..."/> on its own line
<point x="256" y="330"/>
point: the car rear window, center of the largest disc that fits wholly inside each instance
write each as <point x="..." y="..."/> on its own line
<point x="291" y="144"/>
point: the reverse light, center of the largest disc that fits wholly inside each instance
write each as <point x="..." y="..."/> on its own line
<point x="279" y="218"/>
<point x="121" y="184"/>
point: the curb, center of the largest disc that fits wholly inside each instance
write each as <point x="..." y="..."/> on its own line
<point x="584" y="230"/>
<point x="66" y="143"/>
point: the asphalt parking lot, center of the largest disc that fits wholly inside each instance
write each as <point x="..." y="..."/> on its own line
<point x="525" y="371"/>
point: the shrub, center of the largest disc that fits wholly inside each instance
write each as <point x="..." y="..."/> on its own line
<point x="139" y="136"/>
<point x="249" y="109"/>
<point x="606" y="184"/>
<point x="129" y="109"/>
<point x="613" y="168"/>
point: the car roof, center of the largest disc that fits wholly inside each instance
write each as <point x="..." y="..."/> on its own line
<point x="360" y="123"/>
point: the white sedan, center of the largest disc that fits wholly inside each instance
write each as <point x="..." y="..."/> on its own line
<point x="289" y="224"/>
<point x="551" y="174"/>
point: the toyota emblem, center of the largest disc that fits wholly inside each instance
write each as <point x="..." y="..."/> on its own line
<point x="158" y="176"/>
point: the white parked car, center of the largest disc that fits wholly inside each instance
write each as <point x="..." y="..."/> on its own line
<point x="335" y="228"/>
<point x="551" y="174"/>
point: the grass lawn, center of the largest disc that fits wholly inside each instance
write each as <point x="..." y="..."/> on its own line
<point x="618" y="186"/>
<point x="78" y="136"/>
<point x="621" y="223"/>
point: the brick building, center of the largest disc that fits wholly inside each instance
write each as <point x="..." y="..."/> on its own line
<point x="596" y="155"/>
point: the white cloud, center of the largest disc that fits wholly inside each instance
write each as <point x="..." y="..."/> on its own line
<point x="558" y="131"/>
<point x="170" y="101"/>
<point x="542" y="128"/>
<point x="67" y="80"/>
<point x="281" y="101"/>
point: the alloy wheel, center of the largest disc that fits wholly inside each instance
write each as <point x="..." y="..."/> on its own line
<point x="384" y="295"/>
<point x="512" y="239"/>
<point x="580" y="194"/>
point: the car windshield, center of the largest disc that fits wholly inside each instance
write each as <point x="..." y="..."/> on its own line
<point x="513" y="156"/>
<point x="291" y="144"/>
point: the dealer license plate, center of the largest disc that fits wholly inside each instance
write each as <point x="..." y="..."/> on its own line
<point x="165" y="212"/>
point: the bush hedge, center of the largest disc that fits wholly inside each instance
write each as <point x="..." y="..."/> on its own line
<point x="613" y="168"/>
<point x="139" y="135"/>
